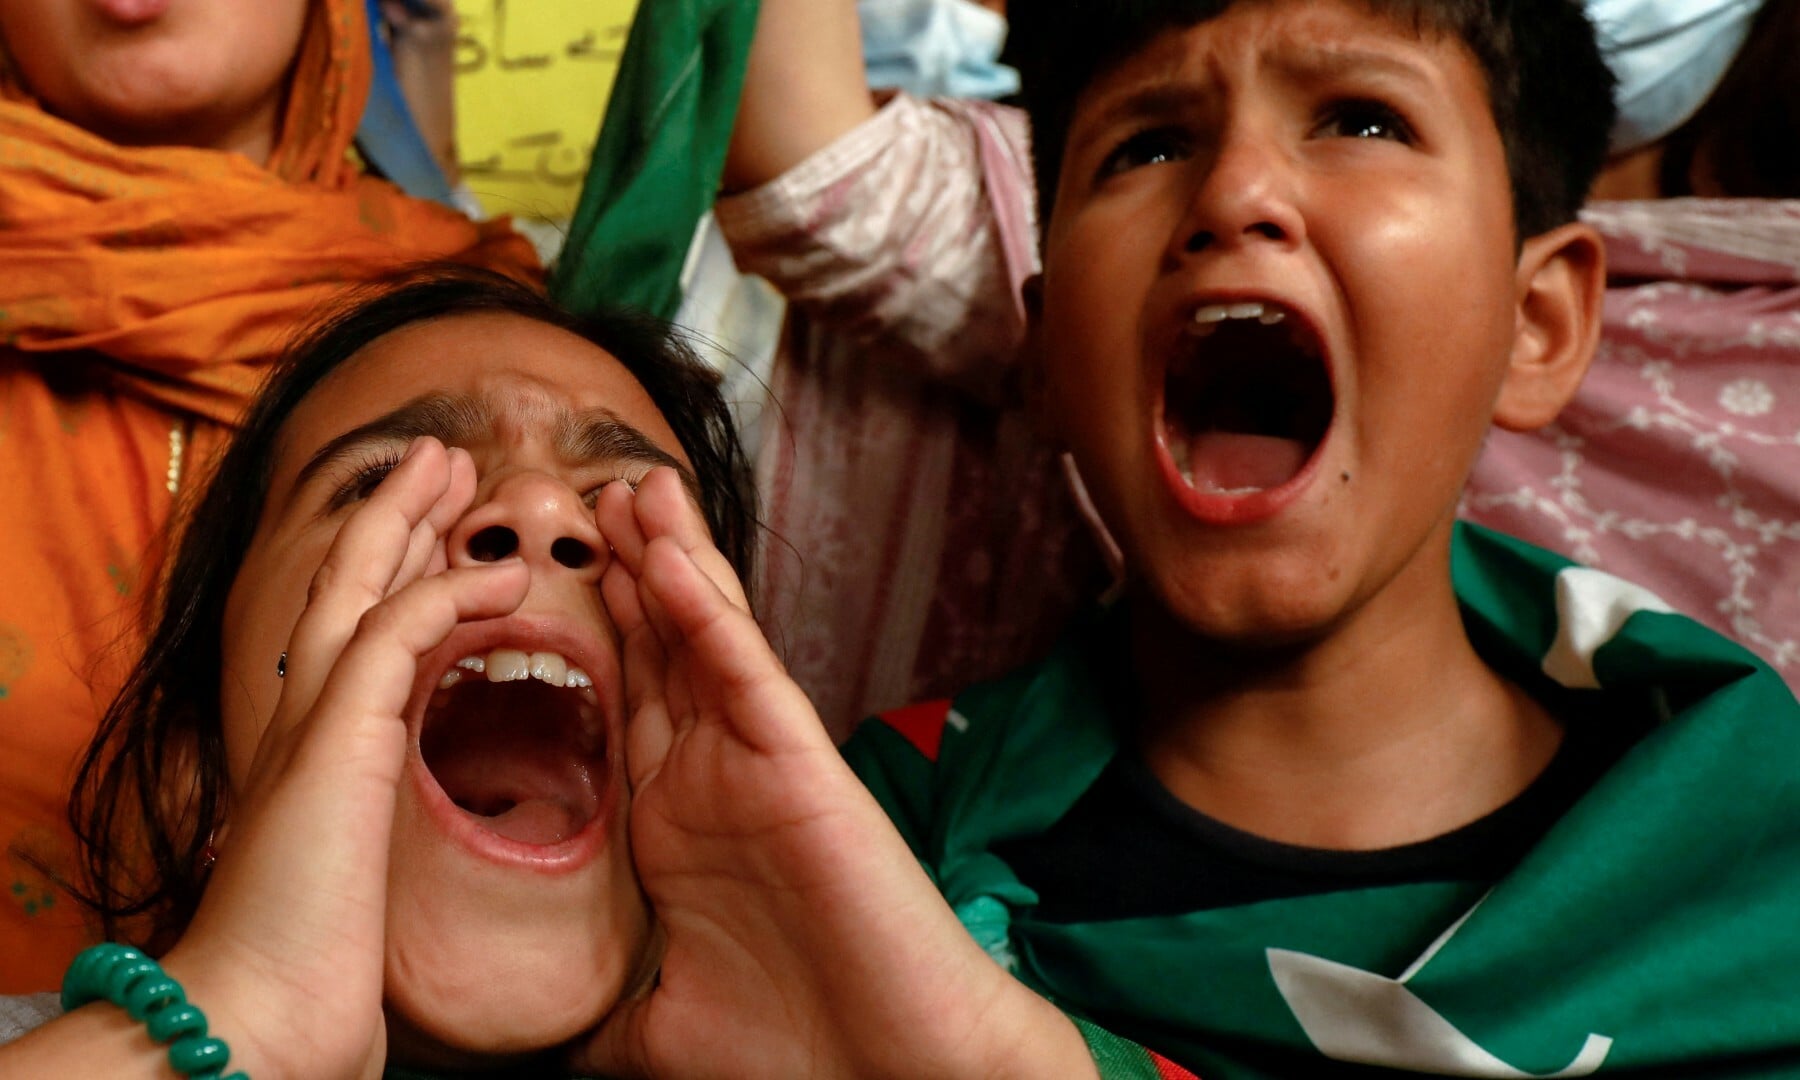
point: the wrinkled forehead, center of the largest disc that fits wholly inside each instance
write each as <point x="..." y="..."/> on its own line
<point x="494" y="382"/>
<point x="1333" y="37"/>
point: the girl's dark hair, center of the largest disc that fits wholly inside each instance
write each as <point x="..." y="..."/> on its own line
<point x="142" y="843"/>
<point x="1548" y="87"/>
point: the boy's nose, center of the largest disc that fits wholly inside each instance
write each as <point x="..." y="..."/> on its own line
<point x="1245" y="197"/>
<point x="535" y="517"/>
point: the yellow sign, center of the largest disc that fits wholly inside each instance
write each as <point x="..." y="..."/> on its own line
<point x="532" y="78"/>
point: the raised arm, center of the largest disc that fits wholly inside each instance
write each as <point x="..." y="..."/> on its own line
<point x="805" y="86"/>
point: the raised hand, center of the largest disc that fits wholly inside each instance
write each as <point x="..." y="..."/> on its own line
<point x="803" y="939"/>
<point x="286" y="950"/>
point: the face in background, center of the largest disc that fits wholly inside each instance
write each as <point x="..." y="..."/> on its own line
<point x="205" y="73"/>
<point x="514" y="917"/>
<point x="1279" y="299"/>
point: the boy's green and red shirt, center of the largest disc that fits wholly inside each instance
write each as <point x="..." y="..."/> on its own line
<point x="1652" y="929"/>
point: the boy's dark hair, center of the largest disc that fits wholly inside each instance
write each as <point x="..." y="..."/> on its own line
<point x="167" y="717"/>
<point x="1550" y="91"/>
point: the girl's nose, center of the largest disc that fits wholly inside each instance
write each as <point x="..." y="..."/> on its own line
<point x="533" y="516"/>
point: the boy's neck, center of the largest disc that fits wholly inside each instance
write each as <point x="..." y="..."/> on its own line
<point x="1386" y="731"/>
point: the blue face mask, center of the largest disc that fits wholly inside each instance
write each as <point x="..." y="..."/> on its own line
<point x="1668" y="55"/>
<point x="935" y="48"/>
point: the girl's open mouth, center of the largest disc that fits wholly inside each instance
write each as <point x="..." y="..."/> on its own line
<point x="512" y="740"/>
<point x="1247" y="401"/>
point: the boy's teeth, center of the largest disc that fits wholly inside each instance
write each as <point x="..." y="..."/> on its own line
<point x="511" y="665"/>
<point x="1208" y="316"/>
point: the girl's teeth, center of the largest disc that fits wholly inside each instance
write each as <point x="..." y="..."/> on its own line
<point x="508" y="665"/>
<point x="1271" y="317"/>
<point x="549" y="667"/>
<point x="1250" y="310"/>
<point x="511" y="665"/>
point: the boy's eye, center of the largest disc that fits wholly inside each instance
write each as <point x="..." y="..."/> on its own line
<point x="1156" y="146"/>
<point x="1364" y="120"/>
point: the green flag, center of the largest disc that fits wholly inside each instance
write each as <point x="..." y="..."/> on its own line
<point x="661" y="149"/>
<point x="1653" y="930"/>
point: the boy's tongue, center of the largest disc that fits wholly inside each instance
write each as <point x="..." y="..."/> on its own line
<point x="1228" y="461"/>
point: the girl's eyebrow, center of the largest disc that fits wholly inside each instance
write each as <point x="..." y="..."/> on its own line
<point x="591" y="435"/>
<point x="448" y="418"/>
<point x="599" y="435"/>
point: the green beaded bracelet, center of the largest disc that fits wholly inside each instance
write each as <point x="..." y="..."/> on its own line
<point x="134" y="982"/>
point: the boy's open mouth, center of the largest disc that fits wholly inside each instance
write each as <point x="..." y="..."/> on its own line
<point x="517" y="741"/>
<point x="1247" y="398"/>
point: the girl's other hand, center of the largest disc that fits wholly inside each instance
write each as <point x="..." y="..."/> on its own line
<point x="803" y="939"/>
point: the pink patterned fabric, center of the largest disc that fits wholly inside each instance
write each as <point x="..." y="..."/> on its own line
<point x="1678" y="464"/>
<point x="922" y="538"/>
<point x="932" y="542"/>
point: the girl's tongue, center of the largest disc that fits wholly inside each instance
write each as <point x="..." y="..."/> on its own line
<point x="517" y="757"/>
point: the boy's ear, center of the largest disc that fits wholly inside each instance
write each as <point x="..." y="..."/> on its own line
<point x="1031" y="291"/>
<point x="1561" y="287"/>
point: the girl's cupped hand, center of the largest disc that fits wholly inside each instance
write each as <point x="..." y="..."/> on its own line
<point x="286" y="950"/>
<point x="802" y="937"/>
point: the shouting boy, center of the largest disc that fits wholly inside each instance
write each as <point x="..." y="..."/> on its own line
<point x="1338" y="783"/>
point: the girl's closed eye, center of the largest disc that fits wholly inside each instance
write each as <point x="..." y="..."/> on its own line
<point x="1363" y="118"/>
<point x="1154" y="146"/>
<point x="365" y="476"/>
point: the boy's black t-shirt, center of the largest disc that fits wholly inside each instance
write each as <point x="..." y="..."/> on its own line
<point x="1128" y="848"/>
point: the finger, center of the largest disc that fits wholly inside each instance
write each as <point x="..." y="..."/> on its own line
<point x="359" y="714"/>
<point x="616" y="516"/>
<point x="620" y="592"/>
<point x="426" y="552"/>
<point x="649" y="727"/>
<point x="665" y="508"/>
<point x="359" y="569"/>
<point x="724" y="641"/>
<point x="617" y="520"/>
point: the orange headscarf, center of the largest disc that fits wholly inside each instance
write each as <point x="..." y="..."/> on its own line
<point x="186" y="267"/>
<point x="143" y="292"/>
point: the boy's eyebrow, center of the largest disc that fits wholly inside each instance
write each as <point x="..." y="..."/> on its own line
<point x="1165" y="99"/>
<point x="1151" y="102"/>
<point x="1337" y="62"/>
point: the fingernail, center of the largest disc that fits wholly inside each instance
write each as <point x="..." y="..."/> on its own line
<point x="411" y="449"/>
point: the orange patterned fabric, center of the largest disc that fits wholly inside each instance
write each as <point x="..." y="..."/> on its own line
<point x="143" y="292"/>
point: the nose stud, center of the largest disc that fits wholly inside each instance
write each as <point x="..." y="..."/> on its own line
<point x="281" y="666"/>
